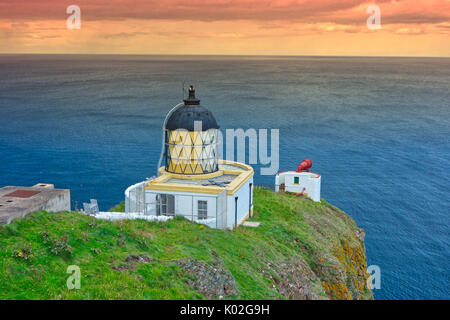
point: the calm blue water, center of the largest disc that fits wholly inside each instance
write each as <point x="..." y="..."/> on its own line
<point x="377" y="129"/>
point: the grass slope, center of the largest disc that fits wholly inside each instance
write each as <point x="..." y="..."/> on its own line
<point x="311" y="244"/>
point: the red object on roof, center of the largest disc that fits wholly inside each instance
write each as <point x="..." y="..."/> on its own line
<point x="22" y="194"/>
<point x="305" y="165"/>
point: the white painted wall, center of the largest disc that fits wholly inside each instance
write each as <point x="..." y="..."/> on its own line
<point x="150" y="203"/>
<point x="186" y="204"/>
<point x="242" y="205"/>
<point x="183" y="205"/>
<point x="222" y="212"/>
<point x="134" y="197"/>
<point x="309" y="180"/>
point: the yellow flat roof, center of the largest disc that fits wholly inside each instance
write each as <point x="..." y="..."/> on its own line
<point x="235" y="174"/>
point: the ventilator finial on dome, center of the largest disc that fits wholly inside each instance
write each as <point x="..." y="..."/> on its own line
<point x="191" y="100"/>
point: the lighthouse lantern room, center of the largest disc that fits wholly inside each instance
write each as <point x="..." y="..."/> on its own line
<point x="191" y="139"/>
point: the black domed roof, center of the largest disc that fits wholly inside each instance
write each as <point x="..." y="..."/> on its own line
<point x="185" y="117"/>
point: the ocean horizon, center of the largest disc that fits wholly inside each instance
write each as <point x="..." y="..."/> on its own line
<point x="376" y="128"/>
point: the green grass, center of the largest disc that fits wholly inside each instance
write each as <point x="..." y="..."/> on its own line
<point x="291" y="229"/>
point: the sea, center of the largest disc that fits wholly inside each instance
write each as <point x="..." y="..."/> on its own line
<point x="376" y="129"/>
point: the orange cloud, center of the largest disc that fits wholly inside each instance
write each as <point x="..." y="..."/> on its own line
<point x="299" y="27"/>
<point x="342" y="11"/>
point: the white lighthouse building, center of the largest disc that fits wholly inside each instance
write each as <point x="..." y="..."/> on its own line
<point x="193" y="182"/>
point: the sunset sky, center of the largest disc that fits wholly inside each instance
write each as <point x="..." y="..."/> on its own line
<point x="245" y="27"/>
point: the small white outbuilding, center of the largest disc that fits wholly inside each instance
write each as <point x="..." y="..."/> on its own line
<point x="302" y="182"/>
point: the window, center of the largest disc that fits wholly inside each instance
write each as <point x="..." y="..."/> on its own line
<point x="296" y="180"/>
<point x="167" y="204"/>
<point x="202" y="209"/>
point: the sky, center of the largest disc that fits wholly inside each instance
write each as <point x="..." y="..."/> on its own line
<point x="227" y="27"/>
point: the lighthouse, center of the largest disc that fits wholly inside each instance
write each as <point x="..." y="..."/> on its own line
<point x="193" y="182"/>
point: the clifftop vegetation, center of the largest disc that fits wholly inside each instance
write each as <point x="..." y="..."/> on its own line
<point x="301" y="250"/>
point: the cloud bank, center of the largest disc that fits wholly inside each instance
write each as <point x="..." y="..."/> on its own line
<point x="248" y="25"/>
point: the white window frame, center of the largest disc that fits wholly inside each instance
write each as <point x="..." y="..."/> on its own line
<point x="164" y="204"/>
<point x="202" y="209"/>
